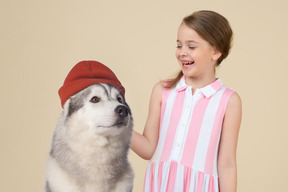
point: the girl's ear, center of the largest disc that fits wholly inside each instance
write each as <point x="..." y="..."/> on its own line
<point x="216" y="55"/>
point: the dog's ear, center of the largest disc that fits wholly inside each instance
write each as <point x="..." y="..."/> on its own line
<point x="66" y="108"/>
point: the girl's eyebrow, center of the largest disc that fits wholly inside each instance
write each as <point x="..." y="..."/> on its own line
<point x="189" y="41"/>
<point x="192" y="41"/>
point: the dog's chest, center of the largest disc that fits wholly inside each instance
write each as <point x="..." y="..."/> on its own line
<point x="100" y="157"/>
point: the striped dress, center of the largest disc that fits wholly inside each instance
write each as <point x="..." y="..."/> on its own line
<point x="186" y="155"/>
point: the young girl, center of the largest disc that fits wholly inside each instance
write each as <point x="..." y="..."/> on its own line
<point x="191" y="132"/>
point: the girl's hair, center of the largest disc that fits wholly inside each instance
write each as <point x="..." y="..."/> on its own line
<point x="213" y="28"/>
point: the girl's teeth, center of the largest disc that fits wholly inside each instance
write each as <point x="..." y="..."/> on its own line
<point x="188" y="63"/>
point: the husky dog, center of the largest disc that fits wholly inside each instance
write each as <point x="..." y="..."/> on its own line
<point x="90" y="143"/>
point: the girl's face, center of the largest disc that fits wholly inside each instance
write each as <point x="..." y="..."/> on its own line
<point x="196" y="56"/>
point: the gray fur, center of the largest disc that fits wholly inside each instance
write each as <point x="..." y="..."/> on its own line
<point x="77" y="102"/>
<point x="48" y="187"/>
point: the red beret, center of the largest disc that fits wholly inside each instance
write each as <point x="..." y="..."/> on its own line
<point x="84" y="74"/>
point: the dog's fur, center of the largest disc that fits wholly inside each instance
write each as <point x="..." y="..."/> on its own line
<point x="90" y="144"/>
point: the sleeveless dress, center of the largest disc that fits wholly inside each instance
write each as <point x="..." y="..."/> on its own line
<point x="186" y="155"/>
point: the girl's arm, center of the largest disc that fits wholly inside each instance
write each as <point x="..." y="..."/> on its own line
<point x="145" y="144"/>
<point x="227" y="167"/>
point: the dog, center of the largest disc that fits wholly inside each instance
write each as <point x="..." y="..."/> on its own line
<point x="91" y="142"/>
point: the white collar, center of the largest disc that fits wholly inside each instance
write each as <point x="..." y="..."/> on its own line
<point x="207" y="91"/>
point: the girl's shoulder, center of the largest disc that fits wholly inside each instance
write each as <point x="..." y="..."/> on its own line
<point x="235" y="100"/>
<point x="234" y="97"/>
<point x="160" y="90"/>
<point x="165" y="86"/>
<point x="169" y="83"/>
<point x="234" y="106"/>
<point x="159" y="86"/>
<point x="157" y="91"/>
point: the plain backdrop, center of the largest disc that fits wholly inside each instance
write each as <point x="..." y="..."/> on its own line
<point x="40" y="41"/>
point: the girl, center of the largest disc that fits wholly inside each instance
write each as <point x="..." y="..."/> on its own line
<point x="191" y="132"/>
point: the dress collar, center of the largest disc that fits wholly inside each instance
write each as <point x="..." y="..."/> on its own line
<point x="207" y="91"/>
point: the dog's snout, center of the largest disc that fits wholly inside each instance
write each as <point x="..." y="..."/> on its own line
<point x="121" y="111"/>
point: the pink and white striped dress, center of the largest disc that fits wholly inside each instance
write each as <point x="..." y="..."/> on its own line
<point x="190" y="128"/>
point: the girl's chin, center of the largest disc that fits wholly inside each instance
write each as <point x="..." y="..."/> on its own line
<point x="188" y="71"/>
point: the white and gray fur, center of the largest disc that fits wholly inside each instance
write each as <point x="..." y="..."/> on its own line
<point x="90" y="144"/>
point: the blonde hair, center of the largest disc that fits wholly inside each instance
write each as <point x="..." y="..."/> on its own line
<point x="213" y="28"/>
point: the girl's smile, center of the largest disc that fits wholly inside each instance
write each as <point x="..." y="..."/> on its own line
<point x="187" y="63"/>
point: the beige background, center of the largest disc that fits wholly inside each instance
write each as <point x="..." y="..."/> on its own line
<point x="40" y="41"/>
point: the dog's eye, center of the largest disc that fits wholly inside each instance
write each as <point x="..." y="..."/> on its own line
<point x="95" y="99"/>
<point x="119" y="99"/>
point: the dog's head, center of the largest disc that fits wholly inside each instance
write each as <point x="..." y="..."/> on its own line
<point x="99" y="109"/>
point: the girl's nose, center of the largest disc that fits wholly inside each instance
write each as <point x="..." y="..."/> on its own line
<point x="183" y="52"/>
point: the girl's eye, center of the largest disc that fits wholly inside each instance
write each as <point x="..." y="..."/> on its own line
<point x="191" y="47"/>
<point x="119" y="99"/>
<point x="178" y="46"/>
<point x="95" y="99"/>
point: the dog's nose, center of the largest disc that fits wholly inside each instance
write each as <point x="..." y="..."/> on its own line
<point x="121" y="111"/>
